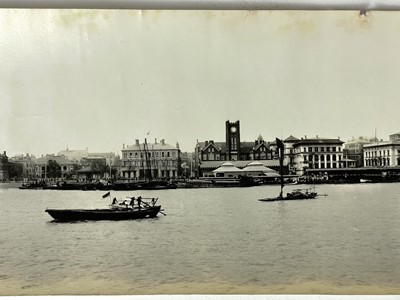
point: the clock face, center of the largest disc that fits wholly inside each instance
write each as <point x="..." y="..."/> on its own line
<point x="233" y="129"/>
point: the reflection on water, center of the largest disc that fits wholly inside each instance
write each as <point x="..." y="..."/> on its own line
<point x="212" y="241"/>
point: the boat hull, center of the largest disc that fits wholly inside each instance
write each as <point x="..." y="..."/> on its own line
<point x="102" y="214"/>
<point x="302" y="197"/>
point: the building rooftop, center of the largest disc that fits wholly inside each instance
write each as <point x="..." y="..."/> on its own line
<point x="317" y="141"/>
<point x="238" y="163"/>
<point x="291" y="139"/>
<point x="150" y="147"/>
<point x="227" y="167"/>
<point x="381" y="144"/>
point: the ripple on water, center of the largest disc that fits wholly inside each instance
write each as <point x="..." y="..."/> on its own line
<point x="211" y="241"/>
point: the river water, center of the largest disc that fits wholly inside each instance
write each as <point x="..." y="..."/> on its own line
<point x="211" y="241"/>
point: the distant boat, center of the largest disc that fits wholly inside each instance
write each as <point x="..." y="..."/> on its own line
<point x="136" y="209"/>
<point x="365" y="180"/>
<point x="298" y="194"/>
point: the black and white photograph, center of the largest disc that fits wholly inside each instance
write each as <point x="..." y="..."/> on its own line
<point x="199" y="152"/>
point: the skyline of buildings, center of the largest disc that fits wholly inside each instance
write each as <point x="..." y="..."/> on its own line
<point x="162" y="160"/>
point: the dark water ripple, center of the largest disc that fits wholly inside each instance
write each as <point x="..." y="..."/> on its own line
<point x="211" y="241"/>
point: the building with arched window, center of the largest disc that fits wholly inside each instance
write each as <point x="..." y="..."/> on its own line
<point x="317" y="153"/>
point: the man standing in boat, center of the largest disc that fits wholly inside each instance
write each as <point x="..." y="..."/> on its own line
<point x="132" y="202"/>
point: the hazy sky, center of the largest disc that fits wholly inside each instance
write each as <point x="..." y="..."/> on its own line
<point x="99" y="79"/>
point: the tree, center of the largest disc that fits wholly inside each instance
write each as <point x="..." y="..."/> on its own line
<point x="53" y="169"/>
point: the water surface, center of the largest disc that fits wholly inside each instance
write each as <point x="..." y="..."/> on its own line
<point x="212" y="241"/>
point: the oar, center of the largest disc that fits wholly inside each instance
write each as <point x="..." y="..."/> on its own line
<point x="148" y="205"/>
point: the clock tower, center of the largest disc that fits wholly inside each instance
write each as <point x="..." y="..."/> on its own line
<point x="232" y="140"/>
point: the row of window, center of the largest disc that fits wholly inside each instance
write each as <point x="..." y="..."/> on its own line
<point x="139" y="174"/>
<point x="324" y="166"/>
<point x="211" y="156"/>
<point x="322" y="149"/>
<point x="322" y="157"/>
<point x="377" y="162"/>
<point x="150" y="154"/>
<point x="375" y="153"/>
<point x="63" y="168"/>
<point x="152" y="163"/>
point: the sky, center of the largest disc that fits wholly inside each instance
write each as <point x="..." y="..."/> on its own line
<point x="99" y="79"/>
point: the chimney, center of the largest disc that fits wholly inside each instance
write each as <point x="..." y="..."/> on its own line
<point x="317" y="135"/>
<point x="206" y="143"/>
<point x="163" y="142"/>
<point x="256" y="142"/>
<point x="305" y="136"/>
<point x="155" y="141"/>
<point x="123" y="146"/>
<point x="177" y="145"/>
<point x="212" y="142"/>
<point x="137" y="142"/>
<point x="5" y="153"/>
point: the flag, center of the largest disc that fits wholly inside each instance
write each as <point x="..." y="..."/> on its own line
<point x="279" y="143"/>
<point x="106" y="195"/>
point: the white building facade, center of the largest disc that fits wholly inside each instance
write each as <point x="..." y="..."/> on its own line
<point x="383" y="154"/>
<point x="150" y="160"/>
<point x="317" y="153"/>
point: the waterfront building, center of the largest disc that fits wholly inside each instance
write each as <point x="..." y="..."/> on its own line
<point x="210" y="155"/>
<point x="353" y="151"/>
<point x="94" y="168"/>
<point x="3" y="166"/>
<point x="66" y="167"/>
<point x="317" y="153"/>
<point x="78" y="155"/>
<point x="257" y="169"/>
<point x="27" y="163"/>
<point x="383" y="153"/>
<point x="227" y="170"/>
<point x="151" y="160"/>
<point x="289" y="154"/>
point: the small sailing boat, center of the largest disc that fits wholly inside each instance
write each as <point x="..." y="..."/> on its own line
<point x="298" y="194"/>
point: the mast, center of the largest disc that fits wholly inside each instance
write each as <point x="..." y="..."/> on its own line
<point x="281" y="148"/>
<point x="146" y="152"/>
<point x="141" y="162"/>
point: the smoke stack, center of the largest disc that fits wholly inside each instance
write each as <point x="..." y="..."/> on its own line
<point x="137" y="142"/>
